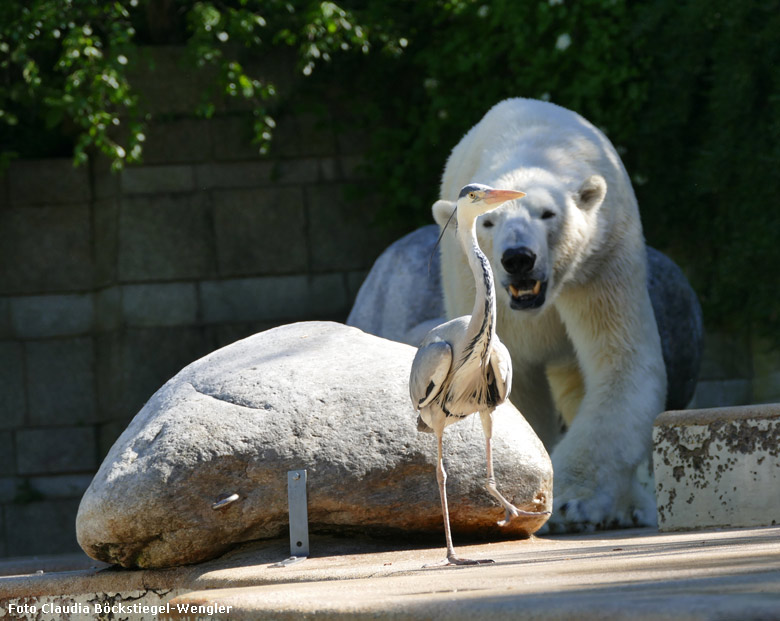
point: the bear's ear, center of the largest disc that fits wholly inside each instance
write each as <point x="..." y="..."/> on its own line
<point x="591" y="193"/>
<point x="442" y="210"/>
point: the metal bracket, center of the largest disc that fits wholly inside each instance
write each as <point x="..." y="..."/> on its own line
<point x="299" y="517"/>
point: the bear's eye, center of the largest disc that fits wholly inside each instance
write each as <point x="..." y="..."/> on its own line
<point x="546" y="215"/>
<point x="487" y="224"/>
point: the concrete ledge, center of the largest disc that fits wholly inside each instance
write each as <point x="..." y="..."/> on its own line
<point x="684" y="418"/>
<point x="48" y="564"/>
<point x="718" y="467"/>
<point x="637" y="574"/>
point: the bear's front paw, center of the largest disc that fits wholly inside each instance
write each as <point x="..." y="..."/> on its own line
<point x="580" y="515"/>
<point x="599" y="511"/>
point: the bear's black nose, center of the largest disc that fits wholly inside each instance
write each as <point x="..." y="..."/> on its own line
<point x="518" y="261"/>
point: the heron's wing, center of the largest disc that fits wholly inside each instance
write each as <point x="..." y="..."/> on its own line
<point x="501" y="362"/>
<point x="429" y="370"/>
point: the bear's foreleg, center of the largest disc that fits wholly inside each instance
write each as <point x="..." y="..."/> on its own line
<point x="624" y="378"/>
<point x="531" y="395"/>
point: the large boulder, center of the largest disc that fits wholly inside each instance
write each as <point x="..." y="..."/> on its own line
<point x="403" y="290"/>
<point x="320" y="396"/>
<point x="401" y="299"/>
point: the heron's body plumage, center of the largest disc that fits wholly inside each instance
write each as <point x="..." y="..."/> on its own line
<point x="477" y="373"/>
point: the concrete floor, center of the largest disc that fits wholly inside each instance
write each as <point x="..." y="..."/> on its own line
<point x="632" y="574"/>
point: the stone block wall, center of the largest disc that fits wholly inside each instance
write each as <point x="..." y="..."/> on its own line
<point x="111" y="283"/>
<point x="737" y="370"/>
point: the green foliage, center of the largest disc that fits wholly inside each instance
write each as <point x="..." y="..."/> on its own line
<point x="463" y="57"/>
<point x="64" y="61"/>
<point x="215" y="30"/>
<point x="708" y="146"/>
<point x="687" y="91"/>
<point x="64" y="64"/>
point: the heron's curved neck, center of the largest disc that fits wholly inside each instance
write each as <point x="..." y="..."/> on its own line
<point x="483" y="316"/>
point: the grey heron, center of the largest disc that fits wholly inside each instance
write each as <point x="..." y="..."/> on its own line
<point x="461" y="367"/>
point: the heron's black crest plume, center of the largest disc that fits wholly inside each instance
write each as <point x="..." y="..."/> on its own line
<point x="444" y="228"/>
<point x="473" y="187"/>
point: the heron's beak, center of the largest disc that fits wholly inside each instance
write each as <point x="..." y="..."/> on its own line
<point x="496" y="197"/>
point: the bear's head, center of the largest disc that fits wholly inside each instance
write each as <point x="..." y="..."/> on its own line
<point x="534" y="244"/>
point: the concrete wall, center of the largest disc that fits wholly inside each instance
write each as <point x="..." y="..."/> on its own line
<point x="110" y="284"/>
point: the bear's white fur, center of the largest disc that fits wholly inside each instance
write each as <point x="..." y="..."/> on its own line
<point x="591" y="351"/>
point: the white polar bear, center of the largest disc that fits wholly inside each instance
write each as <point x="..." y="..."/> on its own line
<point x="569" y="262"/>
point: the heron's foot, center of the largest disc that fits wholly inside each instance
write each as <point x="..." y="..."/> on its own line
<point x="507" y="518"/>
<point x="456" y="560"/>
<point x="513" y="512"/>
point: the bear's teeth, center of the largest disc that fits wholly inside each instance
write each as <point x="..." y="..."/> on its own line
<point x="517" y="292"/>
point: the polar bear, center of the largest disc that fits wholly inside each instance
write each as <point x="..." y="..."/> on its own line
<point x="570" y="268"/>
<point x="401" y="299"/>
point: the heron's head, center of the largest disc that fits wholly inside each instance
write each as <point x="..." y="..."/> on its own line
<point x="476" y="199"/>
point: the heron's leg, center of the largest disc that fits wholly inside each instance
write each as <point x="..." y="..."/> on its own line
<point x="441" y="477"/>
<point x="490" y="485"/>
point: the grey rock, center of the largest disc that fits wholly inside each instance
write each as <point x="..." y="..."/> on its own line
<point x="402" y="290"/>
<point x="401" y="300"/>
<point x="317" y="395"/>
<point x="678" y="315"/>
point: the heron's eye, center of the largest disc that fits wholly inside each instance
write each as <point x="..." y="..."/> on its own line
<point x="548" y="214"/>
<point x="473" y="196"/>
<point x="488" y="224"/>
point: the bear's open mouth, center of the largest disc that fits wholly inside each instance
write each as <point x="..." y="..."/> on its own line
<point x="526" y="294"/>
